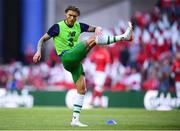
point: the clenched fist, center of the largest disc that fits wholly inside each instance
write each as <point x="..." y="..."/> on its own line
<point x="36" y="57"/>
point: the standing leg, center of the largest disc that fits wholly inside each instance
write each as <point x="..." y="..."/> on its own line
<point x="81" y="90"/>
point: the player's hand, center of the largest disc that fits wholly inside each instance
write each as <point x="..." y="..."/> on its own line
<point x="98" y="30"/>
<point x="36" y="57"/>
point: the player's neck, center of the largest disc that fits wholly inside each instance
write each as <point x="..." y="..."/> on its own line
<point x="69" y="25"/>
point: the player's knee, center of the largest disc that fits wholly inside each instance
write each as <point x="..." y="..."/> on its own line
<point x="91" y="40"/>
<point x="82" y="90"/>
<point x="81" y="85"/>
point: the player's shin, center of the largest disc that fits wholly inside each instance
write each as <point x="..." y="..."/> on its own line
<point x="77" y="106"/>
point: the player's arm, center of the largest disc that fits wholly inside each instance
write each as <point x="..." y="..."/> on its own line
<point x="42" y="40"/>
<point x="88" y="28"/>
<point x="52" y="32"/>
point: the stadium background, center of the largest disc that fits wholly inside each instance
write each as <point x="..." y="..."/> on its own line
<point x="49" y="12"/>
<point x="23" y="22"/>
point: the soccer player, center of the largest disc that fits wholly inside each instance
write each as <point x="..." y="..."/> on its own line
<point x="65" y="35"/>
<point x="101" y="58"/>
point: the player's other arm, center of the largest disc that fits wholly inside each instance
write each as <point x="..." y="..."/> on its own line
<point x="37" y="55"/>
<point x="52" y="32"/>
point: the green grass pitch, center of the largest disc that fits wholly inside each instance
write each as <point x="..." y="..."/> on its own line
<point x="58" y="118"/>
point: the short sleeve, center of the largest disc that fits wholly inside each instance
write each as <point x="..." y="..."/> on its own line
<point x="84" y="27"/>
<point x="54" y="30"/>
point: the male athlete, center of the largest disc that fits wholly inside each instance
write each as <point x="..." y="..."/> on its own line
<point x="65" y="35"/>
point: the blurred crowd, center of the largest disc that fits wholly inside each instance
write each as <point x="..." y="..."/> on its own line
<point x="146" y="63"/>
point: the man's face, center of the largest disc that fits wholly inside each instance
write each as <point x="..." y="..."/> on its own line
<point x="71" y="17"/>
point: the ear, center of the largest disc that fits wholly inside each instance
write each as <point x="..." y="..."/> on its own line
<point x="65" y="14"/>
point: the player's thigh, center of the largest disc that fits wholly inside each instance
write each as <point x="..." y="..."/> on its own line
<point x="77" y="53"/>
<point x="77" y="72"/>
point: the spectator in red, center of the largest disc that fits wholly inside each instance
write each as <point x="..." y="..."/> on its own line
<point x="3" y="77"/>
<point x="176" y="71"/>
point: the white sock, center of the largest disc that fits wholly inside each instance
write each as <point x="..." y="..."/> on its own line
<point x="105" y="40"/>
<point x="78" y="103"/>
